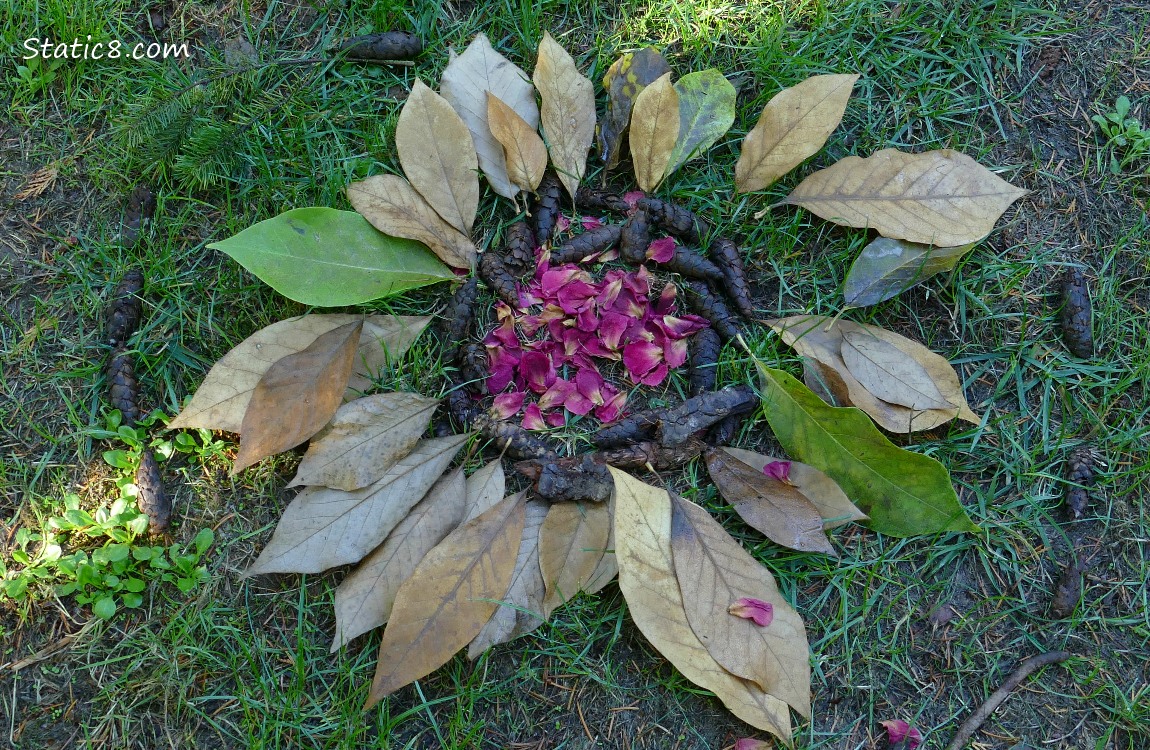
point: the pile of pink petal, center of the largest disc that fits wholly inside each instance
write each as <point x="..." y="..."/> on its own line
<point x="545" y="356"/>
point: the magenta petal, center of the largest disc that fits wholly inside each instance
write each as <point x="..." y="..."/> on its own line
<point x="749" y="743"/>
<point x="590" y="383"/>
<point x="666" y="302"/>
<point x="632" y="198"/>
<point x="675" y="353"/>
<point x="556" y="394"/>
<point x="679" y="328"/>
<point x="897" y="730"/>
<point x="562" y="223"/>
<point x="537" y="370"/>
<point x="588" y="321"/>
<point x="760" y="612"/>
<point x="606" y="255"/>
<point x="533" y="418"/>
<point x="612" y="326"/>
<point x="577" y="403"/>
<point x="506" y="405"/>
<point x="640" y="358"/>
<point x="590" y="222"/>
<point x="613" y="407"/>
<point x="780" y="470"/>
<point x="556" y="418"/>
<point x="655" y="376"/>
<point x="661" y="250"/>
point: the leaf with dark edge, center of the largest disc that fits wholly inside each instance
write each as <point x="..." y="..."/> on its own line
<point x="624" y="81"/>
<point x="706" y="113"/>
<point x="572" y="542"/>
<point x="886" y="268"/>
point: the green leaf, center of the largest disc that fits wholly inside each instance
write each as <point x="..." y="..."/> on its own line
<point x="131" y="601"/>
<point x="706" y="113"/>
<point x="203" y="540"/>
<point x="330" y="258"/>
<point x="104" y="607"/>
<point x="887" y="267"/>
<point x="904" y="493"/>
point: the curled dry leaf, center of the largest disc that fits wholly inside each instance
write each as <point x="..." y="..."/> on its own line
<point x="793" y="126"/>
<point x="520" y="609"/>
<point x="938" y="197"/>
<point x="222" y="399"/>
<point x="886" y="371"/>
<point x="438" y="156"/>
<point x="572" y="543"/>
<point x="654" y="131"/>
<point x="624" y="81"/>
<point x="365" y="438"/>
<point x="449" y="597"/>
<point x="715" y="573"/>
<point x="466" y="82"/>
<point x="485" y="488"/>
<point x="781" y="512"/>
<point x="523" y="149"/>
<point x="297" y="396"/>
<point x="706" y="112"/>
<point x="394" y="207"/>
<point x="647" y="580"/>
<point x="830" y="500"/>
<point x="567" y="111"/>
<point x="886" y="268"/>
<point x="364" y="599"/>
<point x="323" y="528"/>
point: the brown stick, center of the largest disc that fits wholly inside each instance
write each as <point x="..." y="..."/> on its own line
<point x="971" y="725"/>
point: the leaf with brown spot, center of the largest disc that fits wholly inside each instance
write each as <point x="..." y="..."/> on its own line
<point x="886" y="268"/>
<point x="782" y="513"/>
<point x="823" y="492"/>
<point x="364" y="439"/>
<point x="297" y="396"/>
<point x="889" y="374"/>
<point x="520" y="609"/>
<point x="523" y="149"/>
<point x="485" y="488"/>
<point x="647" y="580"/>
<point x="364" y="599"/>
<point x="323" y="528"/>
<point x="654" y="131"/>
<point x="624" y="81"/>
<point x="714" y="572"/>
<point x="567" y="111"/>
<point x="222" y="399"/>
<point x="937" y="197"/>
<point x="449" y="597"/>
<point x="393" y="207"/>
<point x="792" y="127"/>
<point x="572" y="543"/>
<point x="438" y="156"/>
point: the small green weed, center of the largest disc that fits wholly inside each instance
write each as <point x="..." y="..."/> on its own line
<point x="1127" y="141"/>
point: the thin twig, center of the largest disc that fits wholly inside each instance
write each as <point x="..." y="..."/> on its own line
<point x="971" y="725"/>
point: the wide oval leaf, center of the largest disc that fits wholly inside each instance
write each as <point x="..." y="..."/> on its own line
<point x="330" y="258"/>
<point x="572" y="543"/>
<point x="624" y="81"/>
<point x="832" y="503"/>
<point x="886" y="268"/>
<point x="654" y="130"/>
<point x="706" y="112"/>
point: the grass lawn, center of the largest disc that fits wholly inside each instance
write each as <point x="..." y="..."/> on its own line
<point x="920" y="629"/>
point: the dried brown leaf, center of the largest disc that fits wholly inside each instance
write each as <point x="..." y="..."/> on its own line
<point x="793" y="126"/>
<point x="654" y="131"/>
<point x="523" y="149"/>
<point x="823" y="492"/>
<point x="323" y="528"/>
<point x="365" y="438"/>
<point x="608" y="566"/>
<point x="394" y="207"/>
<point x="572" y="544"/>
<point x="567" y="111"/>
<point x="485" y="488"/>
<point x="939" y="197"/>
<point x="37" y="183"/>
<point x="297" y="396"/>
<point x="449" y="597"/>
<point x="438" y="156"/>
<point x="714" y="572"/>
<point x="364" y="599"/>
<point x="888" y="373"/>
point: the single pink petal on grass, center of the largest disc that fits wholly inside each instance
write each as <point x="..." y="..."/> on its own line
<point x="612" y="408"/>
<point x="748" y="743"/>
<point x="898" y="730"/>
<point x="533" y="418"/>
<point x="507" y="405"/>
<point x="756" y="610"/>
<point x="632" y="198"/>
<point x="780" y="470"/>
<point x="640" y="358"/>
<point x="590" y="222"/>
<point x="661" y="250"/>
<point x="675" y="352"/>
<point x="537" y="370"/>
<point x="562" y="223"/>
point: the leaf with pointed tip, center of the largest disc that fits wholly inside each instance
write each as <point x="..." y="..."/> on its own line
<point x="451" y="594"/>
<point x="888" y="373"/>
<point x="792" y="127"/>
<point x="520" y="609"/>
<point x="647" y="580"/>
<point x="323" y="528"/>
<point x="523" y="149"/>
<point x="714" y="572"/>
<point x="937" y="197"/>
<point x="572" y="543"/>
<point x="886" y="268"/>
<point x="485" y="488"/>
<point x="782" y="513"/>
<point x="654" y="130"/>
<point x="364" y="599"/>
<point x="297" y="396"/>
<point x="465" y="84"/>
<point x="706" y="112"/>
<point x="365" y="438"/>
<point x="904" y="493"/>
<point x="438" y="156"/>
<point x="624" y="81"/>
<point x="393" y="206"/>
<point x="567" y="111"/>
<point x="830" y="500"/>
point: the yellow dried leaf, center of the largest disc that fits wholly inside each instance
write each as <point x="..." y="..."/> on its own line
<point x="654" y="131"/>
<point x="523" y="149"/>
<point x="567" y="111"/>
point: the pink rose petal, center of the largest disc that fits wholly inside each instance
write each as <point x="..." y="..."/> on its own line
<point x="556" y="418"/>
<point x="562" y="223"/>
<point x="556" y="395"/>
<point x="533" y="418"/>
<point x="897" y="730"/>
<point x="665" y="305"/>
<point x="760" y="612"/>
<point x="640" y="358"/>
<point x="661" y="250"/>
<point x="537" y="370"/>
<point x="655" y="376"/>
<point x="780" y="470"/>
<point x="747" y="743"/>
<point x="612" y="407"/>
<point x="507" y="405"/>
<point x="590" y="222"/>
<point x="632" y="198"/>
<point x="577" y="403"/>
<point x="675" y="353"/>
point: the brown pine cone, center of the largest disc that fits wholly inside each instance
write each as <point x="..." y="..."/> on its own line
<point x="460" y="314"/>
<point x="703" y="360"/>
<point x="519" y="249"/>
<point x="1080" y="475"/>
<point x="635" y="237"/>
<point x="730" y="262"/>
<point x="124" y="309"/>
<point x="587" y="244"/>
<point x="494" y="271"/>
<point x="590" y="199"/>
<point x="152" y="500"/>
<point x="123" y="391"/>
<point x="547" y="206"/>
<point x="675" y="219"/>
<point x="707" y="304"/>
<point x="1076" y="315"/>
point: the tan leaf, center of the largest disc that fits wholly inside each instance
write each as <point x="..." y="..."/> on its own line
<point x="523" y="149"/>
<point x="626" y="77"/>
<point x="654" y="130"/>
<point x="647" y="580"/>
<point x="485" y="488"/>
<point x="567" y="112"/>
<point x="222" y="399"/>
<point x="364" y="599"/>
<point x="810" y="336"/>
<point x="394" y="207"/>
<point x="782" y="513"/>
<point x="465" y="83"/>
<point x="322" y="528"/>
<point x="937" y="198"/>
<point x="823" y="492"/>
<point x="572" y="543"/>
<point x="608" y="567"/>
<point x="449" y="597"/>
<point x="365" y="438"/>
<point x="297" y="396"/>
<point x="889" y="374"/>
<point x="714" y="572"/>
<point x="793" y="126"/>
<point x="438" y="156"/>
<point x="520" y="609"/>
